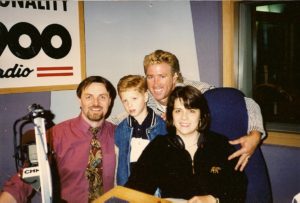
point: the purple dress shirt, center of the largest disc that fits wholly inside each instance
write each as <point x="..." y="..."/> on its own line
<point x="71" y="143"/>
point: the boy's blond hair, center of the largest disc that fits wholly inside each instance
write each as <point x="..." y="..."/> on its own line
<point x="135" y="82"/>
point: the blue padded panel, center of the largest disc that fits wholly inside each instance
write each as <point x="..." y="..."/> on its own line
<point x="228" y="112"/>
<point x="229" y="117"/>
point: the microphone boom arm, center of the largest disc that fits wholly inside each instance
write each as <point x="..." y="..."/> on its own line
<point x="43" y="162"/>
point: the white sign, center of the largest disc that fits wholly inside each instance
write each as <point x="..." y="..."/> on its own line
<point x="41" y="45"/>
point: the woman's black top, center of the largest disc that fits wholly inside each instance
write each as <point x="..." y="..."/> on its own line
<point x="165" y="164"/>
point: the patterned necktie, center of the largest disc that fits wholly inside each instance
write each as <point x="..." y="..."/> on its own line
<point x="94" y="167"/>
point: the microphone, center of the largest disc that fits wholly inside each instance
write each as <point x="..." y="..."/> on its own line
<point x="36" y="170"/>
<point x="31" y="175"/>
<point x="35" y="110"/>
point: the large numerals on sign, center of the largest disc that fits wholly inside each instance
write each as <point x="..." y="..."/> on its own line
<point x="38" y="41"/>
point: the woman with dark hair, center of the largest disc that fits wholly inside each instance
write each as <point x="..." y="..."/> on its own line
<point x="191" y="161"/>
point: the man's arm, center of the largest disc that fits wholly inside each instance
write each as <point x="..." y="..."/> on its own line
<point x="6" y="197"/>
<point x="116" y="119"/>
<point x="255" y="120"/>
<point x="255" y="134"/>
<point x="17" y="189"/>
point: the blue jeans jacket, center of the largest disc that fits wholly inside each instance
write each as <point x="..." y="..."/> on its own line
<point x="123" y="134"/>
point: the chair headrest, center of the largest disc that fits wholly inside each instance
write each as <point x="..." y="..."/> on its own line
<point x="228" y="111"/>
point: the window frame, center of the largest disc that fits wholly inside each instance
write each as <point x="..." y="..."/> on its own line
<point x="233" y="59"/>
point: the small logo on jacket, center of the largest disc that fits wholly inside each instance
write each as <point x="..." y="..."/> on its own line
<point x="215" y="169"/>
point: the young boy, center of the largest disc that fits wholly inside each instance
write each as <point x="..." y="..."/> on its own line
<point x="140" y="127"/>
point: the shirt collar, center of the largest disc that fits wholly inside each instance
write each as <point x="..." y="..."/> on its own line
<point x="83" y="126"/>
<point x="148" y="121"/>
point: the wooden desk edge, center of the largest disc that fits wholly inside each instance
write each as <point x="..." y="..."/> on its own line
<point x="130" y="195"/>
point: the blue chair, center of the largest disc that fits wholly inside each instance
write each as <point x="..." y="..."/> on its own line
<point x="229" y="117"/>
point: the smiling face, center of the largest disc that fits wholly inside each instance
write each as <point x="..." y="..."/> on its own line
<point x="94" y="103"/>
<point x="160" y="81"/>
<point x="186" y="121"/>
<point x="134" y="103"/>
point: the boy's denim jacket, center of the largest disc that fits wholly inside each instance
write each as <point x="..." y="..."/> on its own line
<point x="123" y="134"/>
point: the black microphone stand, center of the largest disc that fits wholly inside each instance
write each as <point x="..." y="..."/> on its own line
<point x="41" y="172"/>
